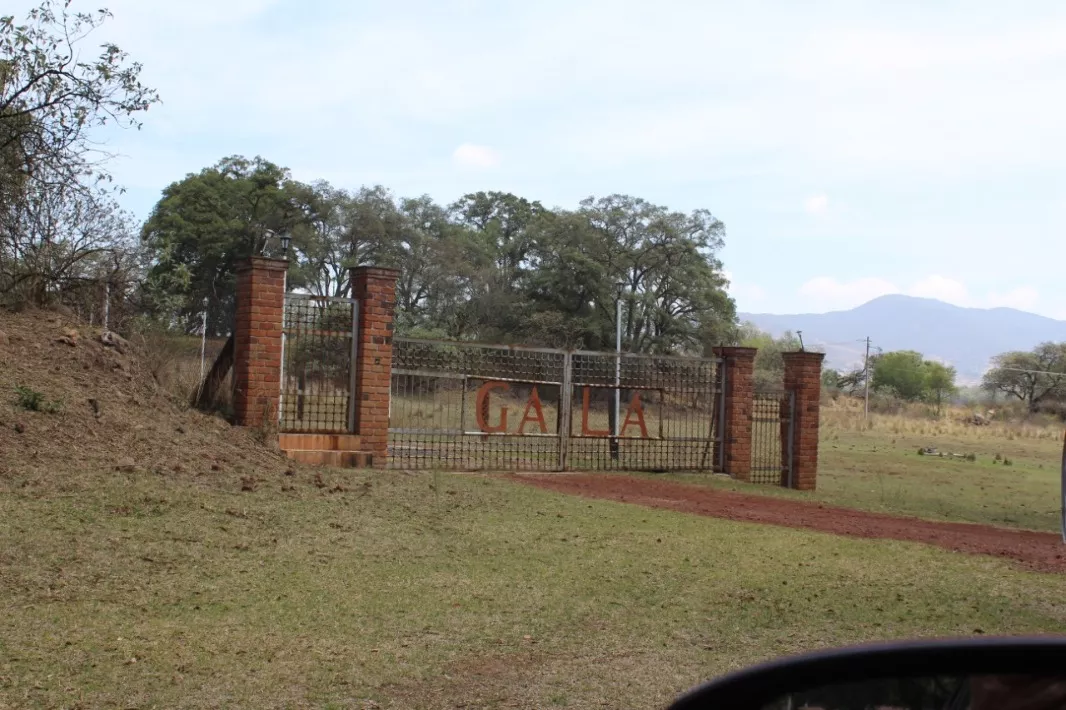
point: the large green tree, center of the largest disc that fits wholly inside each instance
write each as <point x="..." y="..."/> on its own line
<point x="1032" y="377"/>
<point x="909" y="376"/>
<point x="939" y="383"/>
<point x="901" y="372"/>
<point x="666" y="263"/>
<point x="205" y="224"/>
<point x="492" y="266"/>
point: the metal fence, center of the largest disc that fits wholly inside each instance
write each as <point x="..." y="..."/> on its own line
<point x="470" y="406"/>
<point x="772" y="415"/>
<point x="644" y="413"/>
<point x="318" y="353"/>
<point x="465" y="406"/>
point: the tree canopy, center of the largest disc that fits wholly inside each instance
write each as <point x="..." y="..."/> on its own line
<point x="909" y="376"/>
<point x="491" y="266"/>
<point x="1032" y="377"/>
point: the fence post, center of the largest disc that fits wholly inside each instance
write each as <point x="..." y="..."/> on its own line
<point x="375" y="290"/>
<point x="803" y="378"/>
<point x="565" y="408"/>
<point x="738" y="392"/>
<point x="257" y="340"/>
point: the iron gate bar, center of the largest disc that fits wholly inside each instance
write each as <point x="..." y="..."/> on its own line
<point x="565" y="405"/>
<point x="317" y="378"/>
<point x="485" y="346"/>
<point x="647" y="356"/>
<point x="771" y="437"/>
<point x="434" y="382"/>
<point x="791" y="438"/>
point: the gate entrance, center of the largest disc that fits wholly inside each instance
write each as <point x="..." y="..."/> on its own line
<point x="470" y="406"/>
<point x="317" y="374"/>
<point x="772" y="417"/>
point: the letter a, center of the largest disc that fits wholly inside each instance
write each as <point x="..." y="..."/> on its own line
<point x="635" y="409"/>
<point x="482" y="410"/>
<point x="534" y="404"/>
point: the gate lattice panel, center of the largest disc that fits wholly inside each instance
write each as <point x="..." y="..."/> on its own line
<point x="470" y="406"/>
<point x="318" y="349"/>
<point x="665" y="419"/>
<point x="772" y="414"/>
<point x="467" y="406"/>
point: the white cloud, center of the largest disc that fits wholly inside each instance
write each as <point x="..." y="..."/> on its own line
<point x="1023" y="298"/>
<point x="816" y="205"/>
<point x="748" y="296"/>
<point x="826" y="292"/>
<point x="475" y="156"/>
<point x="940" y="288"/>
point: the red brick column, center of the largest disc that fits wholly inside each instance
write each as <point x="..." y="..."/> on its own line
<point x="738" y="368"/>
<point x="803" y="377"/>
<point x="375" y="289"/>
<point x="257" y="340"/>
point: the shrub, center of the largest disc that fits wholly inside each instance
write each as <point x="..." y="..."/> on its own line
<point x="33" y="401"/>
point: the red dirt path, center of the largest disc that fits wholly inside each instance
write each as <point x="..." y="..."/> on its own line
<point x="1035" y="550"/>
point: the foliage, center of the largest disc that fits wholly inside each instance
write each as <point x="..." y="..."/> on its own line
<point x="33" y="401"/>
<point x="900" y="371"/>
<point x="939" y="382"/>
<point x="492" y="266"/>
<point x="907" y="375"/>
<point x="204" y="226"/>
<point x="55" y="214"/>
<point x="769" y="363"/>
<point x="1033" y="377"/>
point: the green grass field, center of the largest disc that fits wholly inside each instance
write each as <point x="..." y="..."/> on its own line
<point x="442" y="591"/>
<point x="879" y="469"/>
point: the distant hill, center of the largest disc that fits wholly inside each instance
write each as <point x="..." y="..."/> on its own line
<point x="967" y="338"/>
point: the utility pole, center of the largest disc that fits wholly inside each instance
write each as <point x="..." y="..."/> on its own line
<point x="866" y="370"/>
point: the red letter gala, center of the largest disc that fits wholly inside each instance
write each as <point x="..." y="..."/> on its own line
<point x="585" y="431"/>
<point x="635" y="408"/>
<point x="482" y="411"/>
<point x="534" y="404"/>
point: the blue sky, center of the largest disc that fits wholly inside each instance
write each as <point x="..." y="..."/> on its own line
<point x="851" y="148"/>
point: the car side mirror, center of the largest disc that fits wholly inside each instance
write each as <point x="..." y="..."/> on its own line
<point x="953" y="674"/>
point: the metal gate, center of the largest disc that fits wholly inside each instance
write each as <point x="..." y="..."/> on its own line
<point x="644" y="413"/>
<point x="317" y="364"/>
<point x="772" y="418"/>
<point x="470" y="406"/>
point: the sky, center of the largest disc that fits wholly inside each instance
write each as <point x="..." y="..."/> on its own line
<point x="851" y="148"/>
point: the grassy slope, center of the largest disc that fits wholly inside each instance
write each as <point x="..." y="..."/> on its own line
<point x="141" y="590"/>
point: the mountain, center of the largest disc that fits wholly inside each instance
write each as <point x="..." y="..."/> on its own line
<point x="967" y="338"/>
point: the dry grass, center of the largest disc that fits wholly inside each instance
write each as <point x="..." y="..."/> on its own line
<point x="391" y="591"/>
<point x="152" y="556"/>
<point x="846" y="416"/>
<point x="1013" y="479"/>
<point x="178" y="365"/>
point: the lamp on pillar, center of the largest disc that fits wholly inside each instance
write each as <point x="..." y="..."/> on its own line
<point x="284" y="239"/>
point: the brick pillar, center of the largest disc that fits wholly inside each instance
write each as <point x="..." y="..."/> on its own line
<point x="257" y="340"/>
<point x="375" y="289"/>
<point x="803" y="377"/>
<point x="738" y="368"/>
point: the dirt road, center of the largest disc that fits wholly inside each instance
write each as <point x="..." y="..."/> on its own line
<point x="1035" y="550"/>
